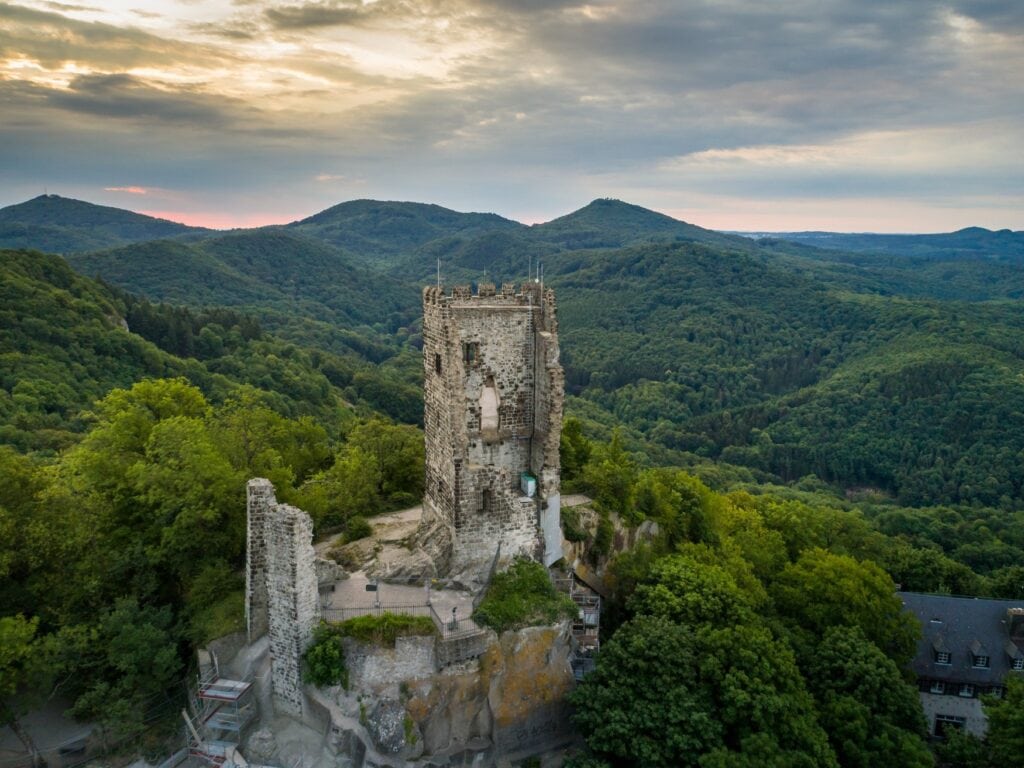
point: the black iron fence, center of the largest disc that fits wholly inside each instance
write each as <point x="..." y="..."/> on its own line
<point x="378" y="609"/>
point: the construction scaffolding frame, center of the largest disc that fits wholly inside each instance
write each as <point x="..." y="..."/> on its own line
<point x="221" y="710"/>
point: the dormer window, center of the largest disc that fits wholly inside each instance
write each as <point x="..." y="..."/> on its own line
<point x="1018" y="664"/>
<point x="943" y="657"/>
<point x="979" y="655"/>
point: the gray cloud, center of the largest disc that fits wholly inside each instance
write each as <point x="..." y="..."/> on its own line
<point x="539" y="101"/>
<point x="123" y="96"/>
<point x="314" y="15"/>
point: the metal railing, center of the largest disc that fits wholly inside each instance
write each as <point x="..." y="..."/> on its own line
<point x="448" y="627"/>
<point x="402" y="609"/>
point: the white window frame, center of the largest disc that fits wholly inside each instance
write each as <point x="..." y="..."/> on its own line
<point x="940" y="655"/>
<point x="982" y="662"/>
<point x="937" y="686"/>
<point x="1018" y="664"/>
<point x="967" y="691"/>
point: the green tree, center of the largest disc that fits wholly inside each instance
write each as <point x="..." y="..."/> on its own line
<point x="262" y="443"/>
<point x="574" y="451"/>
<point x="610" y="476"/>
<point x="643" y="705"/>
<point x="1006" y="723"/>
<point x="822" y="590"/>
<point x="872" y="715"/>
<point x="760" y="699"/>
<point x="124" y="664"/>
<point x="398" y="451"/>
<point x="19" y="670"/>
<point x="349" y="488"/>
<point x="687" y="591"/>
<point x="192" y="497"/>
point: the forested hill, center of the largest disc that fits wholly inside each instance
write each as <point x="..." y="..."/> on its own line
<point x="305" y="289"/>
<point x="899" y="374"/>
<point x="62" y="225"/>
<point x="68" y="340"/>
<point x="378" y="230"/>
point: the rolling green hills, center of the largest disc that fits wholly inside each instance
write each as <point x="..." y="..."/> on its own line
<point x="901" y="373"/>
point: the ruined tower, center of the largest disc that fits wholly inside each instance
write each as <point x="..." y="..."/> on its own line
<point x="493" y="391"/>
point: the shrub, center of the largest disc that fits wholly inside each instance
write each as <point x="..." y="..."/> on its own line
<point x="523" y="596"/>
<point x="357" y="528"/>
<point x="385" y="628"/>
<point x="604" y="537"/>
<point x="571" y="525"/>
<point x="325" y="659"/>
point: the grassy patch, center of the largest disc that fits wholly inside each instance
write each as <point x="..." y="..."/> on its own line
<point x="384" y="629"/>
<point x="523" y="596"/>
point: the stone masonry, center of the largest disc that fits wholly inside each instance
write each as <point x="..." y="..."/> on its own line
<point x="493" y="392"/>
<point x="281" y="589"/>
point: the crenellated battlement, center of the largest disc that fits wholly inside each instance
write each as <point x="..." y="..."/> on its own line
<point x="525" y="295"/>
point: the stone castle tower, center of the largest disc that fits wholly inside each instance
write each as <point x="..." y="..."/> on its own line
<point x="493" y="391"/>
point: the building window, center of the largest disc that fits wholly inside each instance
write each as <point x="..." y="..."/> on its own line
<point x="487" y="502"/>
<point x="943" y="657"/>
<point x="946" y="723"/>
<point x="967" y="690"/>
<point x="1018" y="664"/>
<point x="982" y="662"/>
<point x="471" y="352"/>
<point x="997" y="691"/>
<point x="937" y="687"/>
<point x="437" y="364"/>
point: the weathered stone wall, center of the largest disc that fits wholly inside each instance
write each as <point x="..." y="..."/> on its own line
<point x="493" y="390"/>
<point x="281" y="589"/>
<point x="292" y="589"/>
<point x="259" y="501"/>
<point x="372" y="667"/>
<point x="505" y="706"/>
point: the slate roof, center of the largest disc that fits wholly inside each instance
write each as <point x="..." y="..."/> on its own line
<point x="955" y="625"/>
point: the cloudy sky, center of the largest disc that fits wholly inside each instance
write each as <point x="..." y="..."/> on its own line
<point x="852" y="115"/>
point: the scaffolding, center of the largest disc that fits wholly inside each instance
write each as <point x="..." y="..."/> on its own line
<point x="221" y="710"/>
<point x="586" y="625"/>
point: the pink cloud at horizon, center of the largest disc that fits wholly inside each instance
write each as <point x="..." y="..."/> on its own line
<point x="223" y="220"/>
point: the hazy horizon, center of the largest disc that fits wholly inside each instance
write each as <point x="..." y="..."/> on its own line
<point x="748" y="233"/>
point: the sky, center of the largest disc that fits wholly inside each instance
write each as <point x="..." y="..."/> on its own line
<point x="780" y="115"/>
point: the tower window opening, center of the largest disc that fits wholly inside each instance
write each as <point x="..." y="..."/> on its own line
<point x="471" y="352"/>
<point x="437" y="363"/>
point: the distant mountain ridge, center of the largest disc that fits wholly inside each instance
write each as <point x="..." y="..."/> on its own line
<point x="970" y="242"/>
<point x="63" y="225"/>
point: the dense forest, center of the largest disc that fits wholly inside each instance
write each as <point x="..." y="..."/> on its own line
<point x="798" y="422"/>
<point x="752" y="353"/>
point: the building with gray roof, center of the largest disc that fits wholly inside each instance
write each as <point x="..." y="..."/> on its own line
<point x="968" y="647"/>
